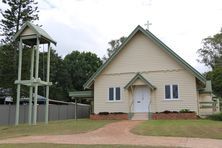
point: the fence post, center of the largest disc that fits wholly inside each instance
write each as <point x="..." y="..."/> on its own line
<point x="58" y="112"/>
<point x="75" y="108"/>
<point x="9" y="112"/>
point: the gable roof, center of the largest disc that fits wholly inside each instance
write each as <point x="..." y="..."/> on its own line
<point x="165" y="48"/>
<point x="37" y="30"/>
<point x="139" y="76"/>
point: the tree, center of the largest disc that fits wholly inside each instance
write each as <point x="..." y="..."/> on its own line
<point x="211" y="52"/>
<point x="59" y="76"/>
<point x="7" y="75"/>
<point x="17" y="13"/>
<point x="216" y="77"/>
<point x="81" y="66"/>
<point x="211" y="55"/>
<point x="114" y="44"/>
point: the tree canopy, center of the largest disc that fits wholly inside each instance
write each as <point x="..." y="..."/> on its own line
<point x="114" y="44"/>
<point x="211" y="56"/>
<point x="81" y="66"/>
<point x="66" y="74"/>
<point x="16" y="14"/>
<point x="211" y="52"/>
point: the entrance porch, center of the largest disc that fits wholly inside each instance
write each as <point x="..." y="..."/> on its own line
<point x="140" y="97"/>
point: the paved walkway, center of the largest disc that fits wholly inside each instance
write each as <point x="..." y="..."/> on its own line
<point x="118" y="133"/>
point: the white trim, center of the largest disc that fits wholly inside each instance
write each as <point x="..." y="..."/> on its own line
<point x="115" y="101"/>
<point x="171" y="93"/>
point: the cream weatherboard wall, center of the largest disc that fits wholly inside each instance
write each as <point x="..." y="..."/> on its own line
<point x="142" y="55"/>
<point x="206" y="97"/>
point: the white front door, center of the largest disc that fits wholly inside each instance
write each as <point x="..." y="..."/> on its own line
<point x="141" y="99"/>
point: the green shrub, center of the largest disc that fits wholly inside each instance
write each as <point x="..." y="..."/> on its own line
<point x="103" y="113"/>
<point x="217" y="117"/>
<point x="117" y="113"/>
<point x="185" y="111"/>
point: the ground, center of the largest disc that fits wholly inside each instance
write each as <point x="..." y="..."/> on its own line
<point x="73" y="146"/>
<point x="118" y="133"/>
<point x="181" y="128"/>
<point x="53" y="128"/>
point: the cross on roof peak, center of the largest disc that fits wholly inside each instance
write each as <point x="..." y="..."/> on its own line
<point x="148" y="24"/>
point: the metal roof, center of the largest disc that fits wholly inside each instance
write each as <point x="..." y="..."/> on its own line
<point x="81" y="94"/>
<point x="42" y="34"/>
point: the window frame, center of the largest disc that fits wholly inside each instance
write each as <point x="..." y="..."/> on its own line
<point x="114" y="94"/>
<point x="171" y="92"/>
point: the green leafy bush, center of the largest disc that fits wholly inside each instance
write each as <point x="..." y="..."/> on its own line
<point x="217" y="117"/>
<point x="117" y="113"/>
<point x="103" y="113"/>
<point x="185" y="111"/>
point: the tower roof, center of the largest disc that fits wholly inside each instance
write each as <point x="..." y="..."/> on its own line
<point x="29" y="32"/>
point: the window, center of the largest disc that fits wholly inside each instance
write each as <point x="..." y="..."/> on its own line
<point x="167" y="92"/>
<point x="171" y="92"/>
<point x="114" y="94"/>
<point x="175" y="91"/>
<point x="111" y="96"/>
<point x="117" y="93"/>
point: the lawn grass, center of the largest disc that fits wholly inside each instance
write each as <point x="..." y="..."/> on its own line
<point x="53" y="128"/>
<point x="181" y="128"/>
<point x="72" y="146"/>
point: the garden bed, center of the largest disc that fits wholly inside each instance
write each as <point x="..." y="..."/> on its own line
<point x="109" y="116"/>
<point x="173" y="116"/>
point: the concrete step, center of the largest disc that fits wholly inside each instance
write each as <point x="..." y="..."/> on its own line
<point x="140" y="116"/>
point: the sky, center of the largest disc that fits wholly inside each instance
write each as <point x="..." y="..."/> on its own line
<point x="88" y="25"/>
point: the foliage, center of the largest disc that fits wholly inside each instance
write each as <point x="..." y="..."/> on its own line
<point x="166" y="112"/>
<point x="114" y="44"/>
<point x="81" y="66"/>
<point x="7" y="75"/>
<point x="185" y="111"/>
<point x="17" y="13"/>
<point x="181" y="111"/>
<point x="103" y="113"/>
<point x="211" y="52"/>
<point x="65" y="75"/>
<point x="216" y="117"/>
<point x="8" y="70"/>
<point x="211" y="55"/>
<point x="59" y="76"/>
<point x="216" y="78"/>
